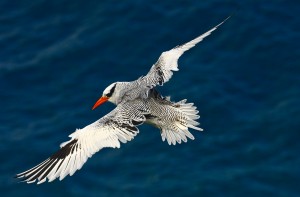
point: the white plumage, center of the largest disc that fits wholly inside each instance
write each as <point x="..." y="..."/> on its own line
<point x="137" y="102"/>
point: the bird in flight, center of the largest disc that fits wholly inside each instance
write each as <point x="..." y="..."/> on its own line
<point x="137" y="102"/>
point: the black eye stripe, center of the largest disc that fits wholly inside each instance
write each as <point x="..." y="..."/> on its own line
<point x="111" y="91"/>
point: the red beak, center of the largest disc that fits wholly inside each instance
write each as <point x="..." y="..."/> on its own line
<point x="102" y="100"/>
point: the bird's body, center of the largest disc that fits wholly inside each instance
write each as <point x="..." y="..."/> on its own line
<point x="137" y="102"/>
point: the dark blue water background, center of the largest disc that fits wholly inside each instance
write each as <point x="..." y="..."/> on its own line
<point x="56" y="57"/>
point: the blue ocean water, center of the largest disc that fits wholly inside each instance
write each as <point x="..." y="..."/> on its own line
<point x="56" y="58"/>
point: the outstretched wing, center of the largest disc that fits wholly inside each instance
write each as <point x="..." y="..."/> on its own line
<point x="163" y="69"/>
<point x="117" y="126"/>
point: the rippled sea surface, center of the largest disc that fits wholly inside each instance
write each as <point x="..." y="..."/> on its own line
<point x="56" y="57"/>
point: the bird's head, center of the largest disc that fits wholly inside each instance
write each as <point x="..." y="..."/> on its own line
<point x="109" y="94"/>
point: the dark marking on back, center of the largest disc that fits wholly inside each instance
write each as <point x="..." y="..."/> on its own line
<point x="153" y="92"/>
<point x="136" y="123"/>
<point x="150" y="116"/>
<point x="160" y="76"/>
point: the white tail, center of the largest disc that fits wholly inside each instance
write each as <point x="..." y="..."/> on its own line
<point x="178" y="131"/>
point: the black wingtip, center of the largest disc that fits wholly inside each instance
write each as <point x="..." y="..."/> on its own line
<point x="19" y="179"/>
<point x="18" y="176"/>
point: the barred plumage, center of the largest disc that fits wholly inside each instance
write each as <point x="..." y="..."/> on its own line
<point x="137" y="102"/>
